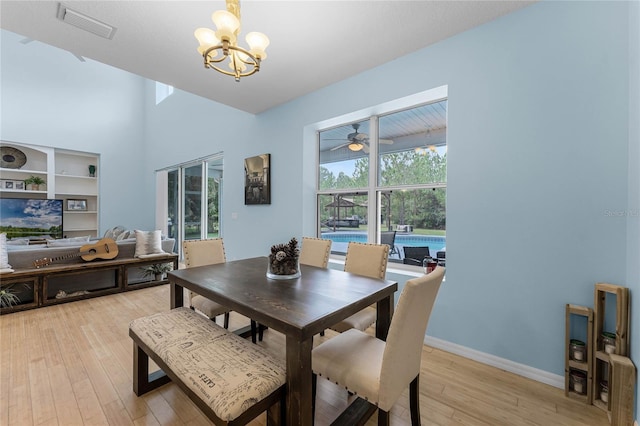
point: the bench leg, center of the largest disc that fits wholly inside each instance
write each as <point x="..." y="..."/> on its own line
<point x="277" y="413"/>
<point x="144" y="382"/>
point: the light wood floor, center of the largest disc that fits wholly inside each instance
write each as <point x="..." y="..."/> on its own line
<point x="71" y="364"/>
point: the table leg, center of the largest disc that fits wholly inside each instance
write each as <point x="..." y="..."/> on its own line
<point x="299" y="409"/>
<point x="383" y="320"/>
<point x="177" y="295"/>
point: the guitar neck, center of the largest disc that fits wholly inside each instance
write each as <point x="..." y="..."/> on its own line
<point x="69" y="256"/>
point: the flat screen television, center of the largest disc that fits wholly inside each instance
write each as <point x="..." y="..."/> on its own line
<point x="31" y="218"/>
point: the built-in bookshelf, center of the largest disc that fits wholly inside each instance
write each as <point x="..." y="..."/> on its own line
<point x="67" y="175"/>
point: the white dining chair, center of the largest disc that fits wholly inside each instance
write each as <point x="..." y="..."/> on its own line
<point x="369" y="260"/>
<point x="315" y="252"/>
<point x="200" y="253"/>
<point x="379" y="371"/>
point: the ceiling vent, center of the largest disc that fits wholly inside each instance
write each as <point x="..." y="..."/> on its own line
<point x="85" y="22"/>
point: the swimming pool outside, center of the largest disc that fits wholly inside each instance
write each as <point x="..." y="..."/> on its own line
<point x="341" y="239"/>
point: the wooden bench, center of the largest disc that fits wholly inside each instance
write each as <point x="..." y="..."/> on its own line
<point x="229" y="378"/>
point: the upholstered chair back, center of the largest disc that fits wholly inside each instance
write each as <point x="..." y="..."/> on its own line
<point x="203" y="252"/>
<point x="367" y="259"/>
<point x="403" y="350"/>
<point x="315" y="252"/>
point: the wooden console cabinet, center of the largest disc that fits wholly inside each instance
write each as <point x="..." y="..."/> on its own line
<point x="39" y="287"/>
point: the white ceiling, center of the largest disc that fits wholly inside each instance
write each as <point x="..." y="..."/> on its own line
<point x="313" y="43"/>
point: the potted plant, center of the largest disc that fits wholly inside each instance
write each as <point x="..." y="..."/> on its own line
<point x="8" y="298"/>
<point x="157" y="270"/>
<point x="34" y="183"/>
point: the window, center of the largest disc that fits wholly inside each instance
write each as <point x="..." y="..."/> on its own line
<point x="385" y="174"/>
<point x="163" y="91"/>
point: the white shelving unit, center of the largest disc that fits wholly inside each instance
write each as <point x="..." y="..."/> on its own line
<point x="67" y="177"/>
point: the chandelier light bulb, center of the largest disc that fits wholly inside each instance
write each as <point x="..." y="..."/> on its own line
<point x="258" y="43"/>
<point x="355" y="146"/>
<point x="226" y="24"/>
<point x="207" y="38"/>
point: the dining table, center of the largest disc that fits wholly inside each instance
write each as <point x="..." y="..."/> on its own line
<point x="299" y="308"/>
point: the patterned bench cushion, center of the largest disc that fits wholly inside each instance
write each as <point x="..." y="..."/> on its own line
<point x="226" y="371"/>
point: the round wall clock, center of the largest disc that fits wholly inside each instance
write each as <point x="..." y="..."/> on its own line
<point x="11" y="158"/>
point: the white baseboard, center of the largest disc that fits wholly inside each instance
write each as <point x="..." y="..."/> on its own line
<point x="523" y="370"/>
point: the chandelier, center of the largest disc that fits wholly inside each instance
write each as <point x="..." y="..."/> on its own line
<point x="219" y="46"/>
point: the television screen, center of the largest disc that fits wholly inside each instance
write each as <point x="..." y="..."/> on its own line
<point x="25" y="217"/>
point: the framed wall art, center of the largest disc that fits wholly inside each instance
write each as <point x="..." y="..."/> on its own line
<point x="76" y="205"/>
<point x="11" y="184"/>
<point x="257" y="179"/>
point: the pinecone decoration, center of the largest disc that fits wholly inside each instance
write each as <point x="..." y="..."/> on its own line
<point x="283" y="259"/>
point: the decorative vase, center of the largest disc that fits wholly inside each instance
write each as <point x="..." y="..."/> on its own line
<point x="92" y="170"/>
<point x="285" y="269"/>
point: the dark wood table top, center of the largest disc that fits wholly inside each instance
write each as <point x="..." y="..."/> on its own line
<point x="298" y="307"/>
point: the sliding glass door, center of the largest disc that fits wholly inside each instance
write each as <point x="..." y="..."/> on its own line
<point x="194" y="194"/>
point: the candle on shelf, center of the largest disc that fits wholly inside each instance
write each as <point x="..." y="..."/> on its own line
<point x="577" y="387"/>
<point x="609" y="342"/>
<point x="578" y="349"/>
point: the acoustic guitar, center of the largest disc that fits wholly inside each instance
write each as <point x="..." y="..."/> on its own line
<point x="105" y="248"/>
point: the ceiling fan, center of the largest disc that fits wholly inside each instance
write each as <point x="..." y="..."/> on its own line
<point x="357" y="141"/>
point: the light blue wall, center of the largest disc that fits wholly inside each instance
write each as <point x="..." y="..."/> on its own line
<point x="543" y="142"/>
<point x="50" y="98"/>
<point x="633" y="218"/>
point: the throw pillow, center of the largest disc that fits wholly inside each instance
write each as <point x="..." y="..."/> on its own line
<point x="114" y="232"/>
<point x="4" y="256"/>
<point x="148" y="242"/>
<point x="125" y="235"/>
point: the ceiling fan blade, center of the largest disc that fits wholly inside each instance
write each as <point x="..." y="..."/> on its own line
<point x="339" y="146"/>
<point x="365" y="148"/>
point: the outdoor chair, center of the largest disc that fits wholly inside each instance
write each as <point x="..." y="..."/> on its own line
<point x="379" y="371"/>
<point x="414" y="255"/>
<point x="389" y="238"/>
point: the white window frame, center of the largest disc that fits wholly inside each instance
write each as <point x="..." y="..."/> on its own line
<point x="374" y="191"/>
